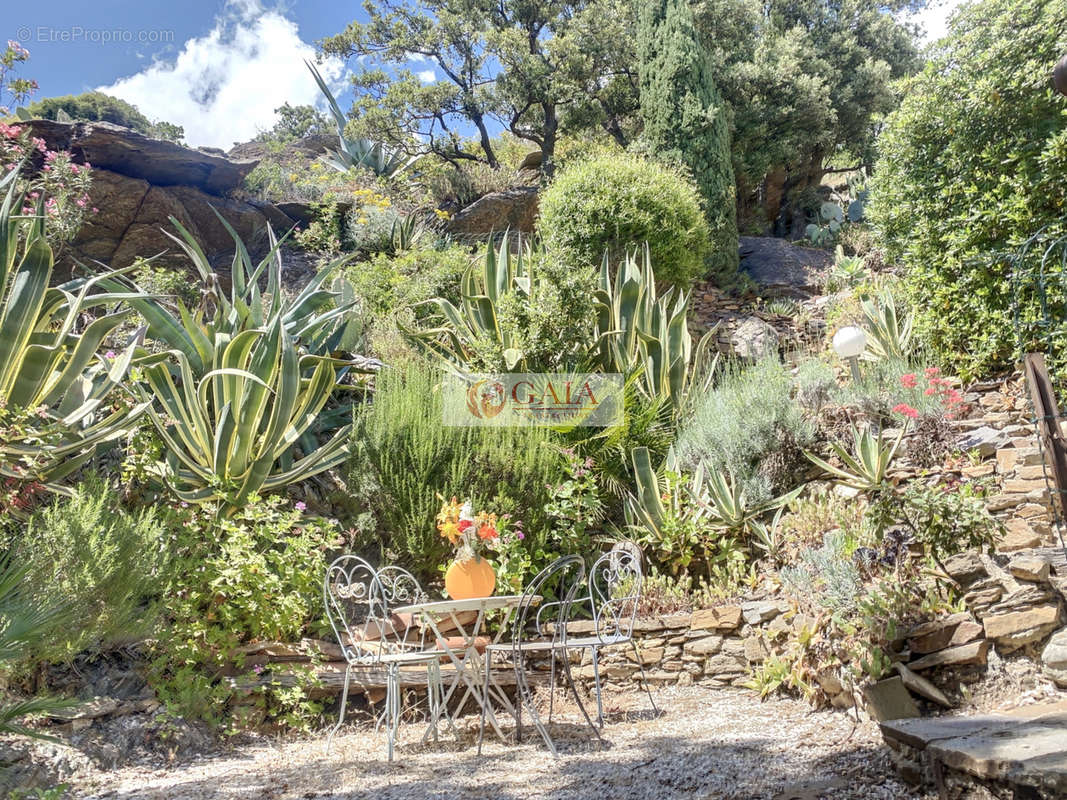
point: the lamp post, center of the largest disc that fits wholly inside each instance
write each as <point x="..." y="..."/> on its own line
<point x="849" y="343"/>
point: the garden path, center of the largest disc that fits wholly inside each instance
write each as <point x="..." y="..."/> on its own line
<point x="707" y="743"/>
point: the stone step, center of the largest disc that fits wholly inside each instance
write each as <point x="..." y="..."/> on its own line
<point x="1026" y="747"/>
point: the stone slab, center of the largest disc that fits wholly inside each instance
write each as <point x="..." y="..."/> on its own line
<point x="889" y="699"/>
<point x="1026" y="747"/>
<point x="724" y="618"/>
<point x="972" y="653"/>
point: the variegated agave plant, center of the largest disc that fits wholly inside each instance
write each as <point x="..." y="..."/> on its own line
<point x="315" y="318"/>
<point x="54" y="385"/>
<point x="231" y="432"/>
<point x="641" y="330"/>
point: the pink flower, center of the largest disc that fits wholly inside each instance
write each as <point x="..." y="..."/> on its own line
<point x="301" y="506"/>
<point x="906" y="410"/>
<point x="930" y="390"/>
<point x="520" y="535"/>
<point x="932" y="372"/>
<point x="109" y="354"/>
<point x="80" y="203"/>
<point x="95" y="209"/>
<point x="908" y="380"/>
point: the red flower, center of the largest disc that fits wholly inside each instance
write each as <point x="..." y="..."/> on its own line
<point x="464" y="524"/>
<point x="908" y="380"/>
<point x="906" y="410"/>
<point x="487" y="532"/>
<point x="932" y="372"/>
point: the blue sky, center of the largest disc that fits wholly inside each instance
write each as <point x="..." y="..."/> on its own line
<point x="217" y="67"/>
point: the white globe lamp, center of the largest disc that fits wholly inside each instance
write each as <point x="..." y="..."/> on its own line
<point x="849" y="343"/>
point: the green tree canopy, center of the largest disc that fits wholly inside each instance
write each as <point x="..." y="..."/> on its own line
<point x="685" y="119"/>
<point x="972" y="164"/>
<point x="534" y="67"/>
<point x="807" y="82"/>
<point x="296" y="122"/>
<point x="100" y="107"/>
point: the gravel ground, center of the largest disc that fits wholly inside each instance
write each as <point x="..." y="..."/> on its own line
<point x="705" y="743"/>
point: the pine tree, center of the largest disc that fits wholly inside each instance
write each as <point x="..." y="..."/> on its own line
<point x="685" y="119"/>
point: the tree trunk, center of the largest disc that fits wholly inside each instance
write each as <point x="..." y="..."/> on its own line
<point x="485" y="140"/>
<point x="548" y="144"/>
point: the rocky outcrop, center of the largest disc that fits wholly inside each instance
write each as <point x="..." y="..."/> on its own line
<point x="129" y="153"/>
<point x="513" y="209"/>
<point x="139" y="183"/>
<point x="783" y="268"/>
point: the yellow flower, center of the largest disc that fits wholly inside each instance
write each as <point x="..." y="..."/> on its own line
<point x="450" y="531"/>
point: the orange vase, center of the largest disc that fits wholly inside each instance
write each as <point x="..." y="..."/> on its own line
<point x="472" y="578"/>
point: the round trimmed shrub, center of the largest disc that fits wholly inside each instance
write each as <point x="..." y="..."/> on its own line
<point x="619" y="201"/>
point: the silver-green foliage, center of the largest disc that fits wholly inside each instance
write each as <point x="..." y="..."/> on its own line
<point x="231" y="432"/>
<point x="314" y="317"/>
<point x="826" y="575"/>
<point x="640" y="330"/>
<point x="866" y="465"/>
<point x="888" y="323"/>
<point x="743" y="419"/>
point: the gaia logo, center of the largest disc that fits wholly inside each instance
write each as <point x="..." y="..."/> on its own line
<point x="486" y="399"/>
<point x="521" y="399"/>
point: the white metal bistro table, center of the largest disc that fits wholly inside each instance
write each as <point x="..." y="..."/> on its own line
<point x="465" y="657"/>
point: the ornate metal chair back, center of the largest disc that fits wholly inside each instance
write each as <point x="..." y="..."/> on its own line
<point x="615" y="582"/>
<point x="401" y="588"/>
<point x="546" y="603"/>
<point x="357" y="609"/>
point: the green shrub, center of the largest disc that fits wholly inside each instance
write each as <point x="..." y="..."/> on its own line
<point x="685" y="119"/>
<point x="973" y="163"/>
<point x="746" y="424"/>
<point x="616" y="202"/>
<point x="101" y="559"/>
<point x="520" y="310"/>
<point x="403" y="457"/>
<point x="253" y="576"/>
<point x="388" y="286"/>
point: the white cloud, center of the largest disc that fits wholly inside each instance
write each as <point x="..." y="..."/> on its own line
<point x="427" y="75"/>
<point x="934" y="19"/>
<point x="223" y="87"/>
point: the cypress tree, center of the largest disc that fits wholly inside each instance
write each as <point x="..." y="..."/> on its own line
<point x="685" y="119"/>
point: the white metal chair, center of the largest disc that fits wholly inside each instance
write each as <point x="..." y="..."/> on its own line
<point x="615" y="584"/>
<point x="358" y="599"/>
<point x="539" y="629"/>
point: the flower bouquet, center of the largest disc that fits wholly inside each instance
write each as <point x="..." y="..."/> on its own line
<point x="469" y="575"/>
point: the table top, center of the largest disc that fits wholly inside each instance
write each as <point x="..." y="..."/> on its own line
<point x="473" y="604"/>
